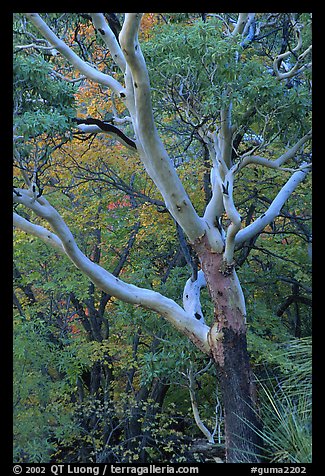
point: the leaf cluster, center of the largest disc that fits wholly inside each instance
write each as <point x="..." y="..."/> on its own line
<point x="196" y="70"/>
<point x="43" y="104"/>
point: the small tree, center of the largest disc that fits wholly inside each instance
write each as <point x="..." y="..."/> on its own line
<point x="219" y="232"/>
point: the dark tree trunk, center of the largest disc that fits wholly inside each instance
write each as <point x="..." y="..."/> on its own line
<point x="157" y="395"/>
<point x="135" y="436"/>
<point x="149" y="400"/>
<point x="227" y="340"/>
<point x="237" y="388"/>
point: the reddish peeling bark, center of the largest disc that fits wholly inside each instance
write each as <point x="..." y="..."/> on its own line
<point x="227" y="340"/>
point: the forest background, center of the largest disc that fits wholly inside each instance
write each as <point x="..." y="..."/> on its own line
<point x="99" y="380"/>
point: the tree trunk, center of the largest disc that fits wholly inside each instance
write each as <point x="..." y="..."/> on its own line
<point x="157" y="395"/>
<point x="242" y="442"/>
<point x="227" y="340"/>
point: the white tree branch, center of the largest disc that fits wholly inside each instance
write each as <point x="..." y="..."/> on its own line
<point x="155" y="157"/>
<point x="274" y="209"/>
<point x="49" y="49"/>
<point x="107" y="282"/>
<point x="109" y="39"/>
<point x="39" y="231"/>
<point x="225" y="135"/>
<point x="250" y="19"/>
<point x="240" y="25"/>
<point x="273" y="164"/>
<point x="191" y="296"/>
<point x="215" y="207"/>
<point x="240" y="301"/>
<point x="89" y="71"/>
<point x="222" y="184"/>
<point x="233" y="216"/>
<point x="289" y="154"/>
<point x="222" y="187"/>
<point x="191" y="386"/>
<point x="297" y="67"/>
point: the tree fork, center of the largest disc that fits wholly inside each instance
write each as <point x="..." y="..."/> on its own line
<point x="228" y="344"/>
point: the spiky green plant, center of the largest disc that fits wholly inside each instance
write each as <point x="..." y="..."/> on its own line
<point x="286" y="427"/>
<point x="286" y="408"/>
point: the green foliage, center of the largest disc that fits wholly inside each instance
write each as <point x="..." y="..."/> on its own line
<point x="181" y="48"/>
<point x="287" y="408"/>
<point x="85" y="382"/>
<point x="195" y="62"/>
<point x="41" y="415"/>
<point x="43" y="103"/>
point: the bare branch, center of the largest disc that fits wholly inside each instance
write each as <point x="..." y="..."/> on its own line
<point x="152" y="151"/>
<point x="36" y="230"/>
<point x="191" y="296"/>
<point x="198" y="420"/>
<point x="109" y="39"/>
<point x="89" y="71"/>
<point x="64" y="78"/>
<point x="240" y="25"/>
<point x="273" y="164"/>
<point x="274" y="209"/>
<point x="298" y="67"/>
<point x="107" y="282"/>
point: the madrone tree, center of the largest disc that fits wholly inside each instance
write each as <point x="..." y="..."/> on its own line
<point x="231" y="144"/>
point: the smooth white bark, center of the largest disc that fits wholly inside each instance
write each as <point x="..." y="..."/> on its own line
<point x="274" y="209"/>
<point x="137" y="97"/>
<point x="191" y="296"/>
<point x="215" y="207"/>
<point x="240" y="301"/>
<point x="298" y="67"/>
<point x="107" y="282"/>
<point x="241" y="22"/>
<point x="39" y="231"/>
<point x="191" y="386"/>
<point x="223" y="175"/>
<point x="89" y="71"/>
<point x="234" y="217"/>
<point x="109" y="39"/>
<point x="219" y="145"/>
<point x="225" y="135"/>
<point x="155" y="157"/>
